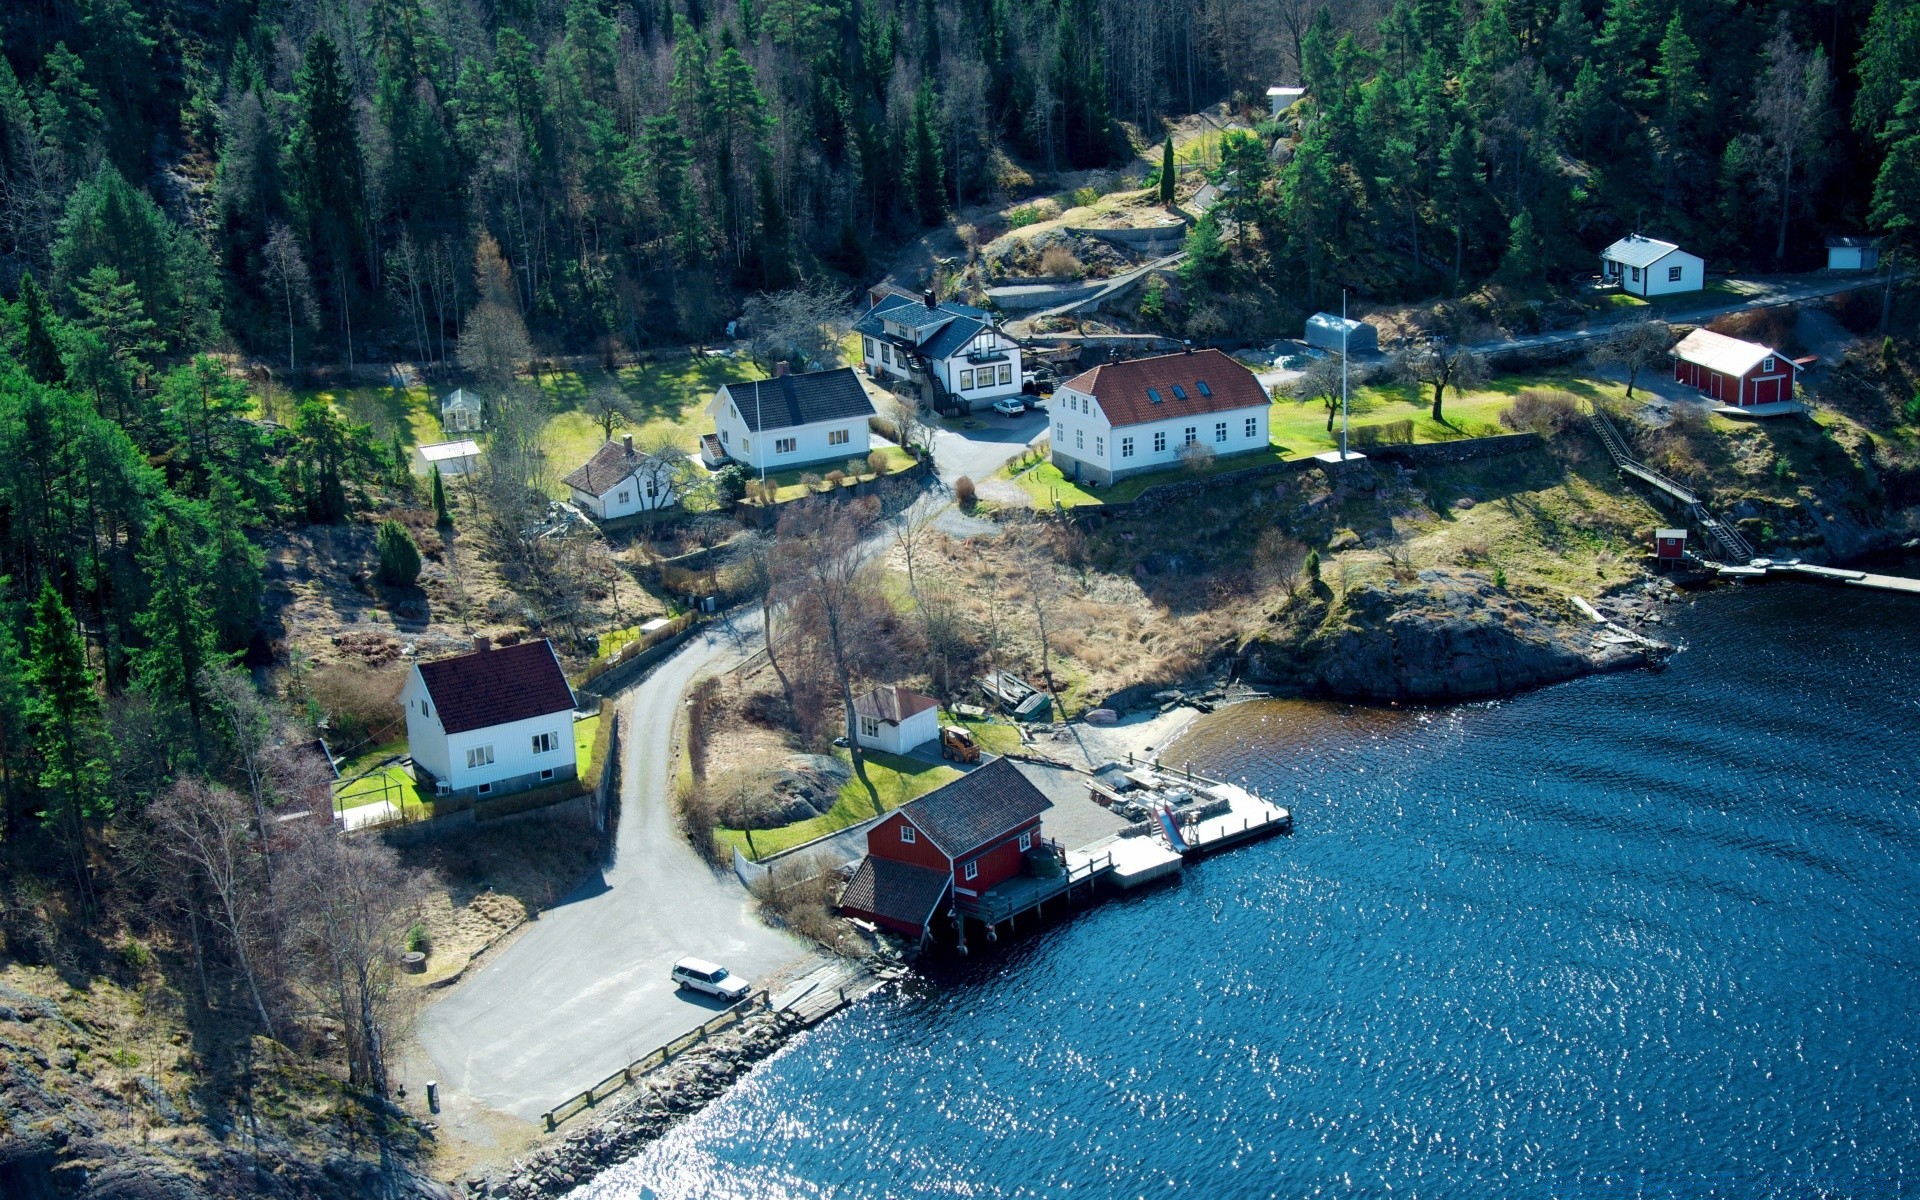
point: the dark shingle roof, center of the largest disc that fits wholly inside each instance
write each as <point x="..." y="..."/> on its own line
<point x="609" y="465"/>
<point x="493" y="687"/>
<point x="950" y="340"/>
<point x="977" y="807"/>
<point x="893" y="704"/>
<point x="913" y="312"/>
<point x="791" y="400"/>
<point x="1125" y="390"/>
<point x="897" y="890"/>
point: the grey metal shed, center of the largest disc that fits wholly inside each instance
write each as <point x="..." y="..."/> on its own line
<point x="1324" y="330"/>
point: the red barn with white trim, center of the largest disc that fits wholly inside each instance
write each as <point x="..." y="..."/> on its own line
<point x="961" y="839"/>
<point x="1736" y="373"/>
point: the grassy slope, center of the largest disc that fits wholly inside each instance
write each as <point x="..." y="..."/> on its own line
<point x="897" y="779"/>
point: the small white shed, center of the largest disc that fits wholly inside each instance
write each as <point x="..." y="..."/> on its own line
<point x="1853" y="254"/>
<point x="895" y="720"/>
<point x="453" y="458"/>
<point x="1284" y="98"/>
<point x="1645" y="266"/>
<point x="1330" y="331"/>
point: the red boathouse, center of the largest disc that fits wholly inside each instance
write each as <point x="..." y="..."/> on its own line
<point x="1736" y="373"/>
<point x="959" y="840"/>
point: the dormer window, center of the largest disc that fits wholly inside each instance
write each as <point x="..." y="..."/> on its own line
<point x="1204" y="389"/>
<point x="1179" y="393"/>
<point x="1153" y="394"/>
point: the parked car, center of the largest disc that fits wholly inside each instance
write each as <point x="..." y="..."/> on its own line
<point x="1008" y="406"/>
<point x="711" y="978"/>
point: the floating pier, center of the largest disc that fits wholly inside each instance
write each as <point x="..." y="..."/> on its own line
<point x="1761" y="568"/>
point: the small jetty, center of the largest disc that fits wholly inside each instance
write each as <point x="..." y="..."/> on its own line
<point x="1176" y="815"/>
<point x="1763" y="568"/>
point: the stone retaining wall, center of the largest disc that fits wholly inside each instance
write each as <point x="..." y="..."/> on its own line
<point x="1429" y="454"/>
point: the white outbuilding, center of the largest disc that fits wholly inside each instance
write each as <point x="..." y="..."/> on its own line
<point x="895" y="720"/>
<point x="1330" y="331"/>
<point x="1284" y="98"/>
<point x="1853" y="254"/>
<point x="491" y="721"/>
<point x="453" y="458"/>
<point x="1645" y="266"/>
<point x="460" y="412"/>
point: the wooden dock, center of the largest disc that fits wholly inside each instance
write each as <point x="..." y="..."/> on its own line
<point x="1842" y="576"/>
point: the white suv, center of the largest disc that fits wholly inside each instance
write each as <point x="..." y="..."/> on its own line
<point x="711" y="978"/>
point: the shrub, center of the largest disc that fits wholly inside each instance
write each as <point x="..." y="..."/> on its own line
<point x="418" y="941"/>
<point x="362" y="706"/>
<point x="1058" y="260"/>
<point x="1196" y="456"/>
<point x="1313" y="565"/>
<point x="1384" y="433"/>
<point x="885" y="428"/>
<point x="399" y="557"/>
<point x="1547" y="413"/>
<point x="731" y="484"/>
<point x="1084" y="196"/>
<point x="810" y="480"/>
<point x="1023" y="216"/>
<point x="964" y="493"/>
<point x="1153" y="300"/>
<point x="877" y="463"/>
<point x="835" y="479"/>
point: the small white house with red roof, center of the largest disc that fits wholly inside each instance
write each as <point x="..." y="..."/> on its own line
<point x="895" y="720"/>
<point x="1737" y="373"/>
<point x="493" y="721"/>
<point x="1126" y="418"/>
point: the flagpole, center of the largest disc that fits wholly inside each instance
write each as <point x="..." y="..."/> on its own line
<point x="1343" y="374"/>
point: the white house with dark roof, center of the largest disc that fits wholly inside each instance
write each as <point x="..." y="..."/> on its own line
<point x="619" y="480"/>
<point x="921" y="339"/>
<point x="1126" y="418"/>
<point x="492" y="721"/>
<point x="793" y="420"/>
<point x="895" y="720"/>
<point x="1645" y="266"/>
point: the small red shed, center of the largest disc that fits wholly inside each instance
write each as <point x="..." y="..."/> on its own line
<point x="963" y="838"/>
<point x="1669" y="545"/>
<point x="1736" y="373"/>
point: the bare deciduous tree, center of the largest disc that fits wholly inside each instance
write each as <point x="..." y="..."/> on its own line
<point x="1634" y="348"/>
<point x="1045" y="585"/>
<point x="609" y="406"/>
<point x="801" y="326"/>
<point x="286" y="271"/>
<point x="205" y="832"/>
<point x="1792" y="109"/>
<point x="1441" y="362"/>
<point x="493" y="340"/>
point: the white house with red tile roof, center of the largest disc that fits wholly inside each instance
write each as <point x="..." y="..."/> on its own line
<point x="492" y="721"/>
<point x="1126" y="418"/>
<point x="895" y="720"/>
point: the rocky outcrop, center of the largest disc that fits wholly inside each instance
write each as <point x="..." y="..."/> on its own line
<point x="1442" y="635"/>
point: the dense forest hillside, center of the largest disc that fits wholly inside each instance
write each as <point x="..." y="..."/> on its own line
<point x="310" y="180"/>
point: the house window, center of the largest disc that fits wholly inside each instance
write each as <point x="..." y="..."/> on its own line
<point x="545" y="743"/>
<point x="1079" y="439"/>
<point x="973" y="870"/>
<point x="1636" y="274"/>
<point x="1673" y="274"/>
<point x="1160" y="442"/>
<point x="886" y="353"/>
<point x="1768" y="364"/>
<point x="838" y="437"/>
<point x="1179" y="393"/>
<point x="1253" y="427"/>
<point x="746" y="445"/>
<point x="1060" y="430"/>
<point x="479" y="756"/>
<point x="547" y="773"/>
<point x="1006" y="373"/>
<point x="726" y="435"/>
<point x="484" y="788"/>
<point x="1126" y="447"/>
<point x="866" y="343"/>
<point x="624" y="497"/>
<point x="1026" y="842"/>
<point x="783" y="445"/>
<point x="1220" y="431"/>
<point x="426" y="710"/>
<point x="1191" y="436"/>
<point x="653" y="488"/>
<point x="1204" y="389"/>
<point x="870" y="727"/>
<point x="906" y="833"/>
<point x="1153" y="394"/>
<point x="1099" y="447"/>
<point x="966" y="380"/>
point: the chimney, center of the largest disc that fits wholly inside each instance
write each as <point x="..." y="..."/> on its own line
<point x="628" y="440"/>
<point x="1113" y="354"/>
<point x="932" y="301"/>
<point x="482" y="644"/>
<point x="780" y="369"/>
<point x="1187" y="345"/>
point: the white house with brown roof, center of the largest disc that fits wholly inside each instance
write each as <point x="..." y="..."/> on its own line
<point x="619" y="480"/>
<point x="1127" y="418"/>
<point x="493" y="721"/>
<point x="895" y="720"/>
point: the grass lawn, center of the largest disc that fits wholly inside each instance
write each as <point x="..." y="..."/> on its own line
<point x="583" y="734"/>
<point x="898" y="780"/>
<point x="994" y="737"/>
<point x="367" y="759"/>
<point x="792" y="489"/>
<point x="1717" y="291"/>
<point x="391" y="783"/>
<point x="1046" y="485"/>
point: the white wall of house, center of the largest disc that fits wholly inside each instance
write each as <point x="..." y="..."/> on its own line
<point x="511" y="747"/>
<point x="1852" y="258"/>
<point x="1675" y="271"/>
<point x="962" y="374"/>
<point x="917" y="730"/>
<point x="635" y="494"/>
<point x="779" y="449"/>
<point x="1084" y="439"/>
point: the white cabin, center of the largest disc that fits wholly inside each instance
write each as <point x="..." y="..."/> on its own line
<point x="895" y="720"/>
<point x="1645" y="266"/>
<point x="816" y="419"/>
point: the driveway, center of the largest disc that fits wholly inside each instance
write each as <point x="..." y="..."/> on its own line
<point x="978" y="453"/>
<point x="584" y="990"/>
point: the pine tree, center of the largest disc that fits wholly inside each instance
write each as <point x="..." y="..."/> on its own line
<point x="1896" y="190"/>
<point x="1523" y="262"/>
<point x="40" y="354"/>
<point x="1682" y="98"/>
<point x="441" y="516"/>
<point x="234" y="584"/>
<point x="177" y="623"/>
<point x="1168" y="173"/>
<point x="65" y="714"/>
<point x="399" y="557"/>
<point x="925" y="182"/>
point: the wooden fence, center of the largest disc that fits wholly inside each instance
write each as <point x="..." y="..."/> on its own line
<point x="635" y="648"/>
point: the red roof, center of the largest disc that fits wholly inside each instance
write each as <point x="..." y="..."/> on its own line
<point x="893" y="704"/>
<point x="1196" y="384"/>
<point x="496" y="686"/>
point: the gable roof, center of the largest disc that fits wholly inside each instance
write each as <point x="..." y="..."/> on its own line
<point x="790" y="400"/>
<point x="459" y="399"/>
<point x="610" y="465"/>
<point x="893" y="704"/>
<point x="953" y="338"/>
<point x="1718" y="352"/>
<point x="976" y="808"/>
<point x="912" y="311"/>
<point x="898" y="890"/>
<point x="495" y="686"/>
<point x="1126" y="390"/>
<point x="1638" y="250"/>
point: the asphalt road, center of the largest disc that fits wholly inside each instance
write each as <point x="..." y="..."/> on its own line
<point x="585" y="989"/>
<point x="978" y="453"/>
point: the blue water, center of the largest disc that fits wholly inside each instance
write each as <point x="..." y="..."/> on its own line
<point x="1640" y="935"/>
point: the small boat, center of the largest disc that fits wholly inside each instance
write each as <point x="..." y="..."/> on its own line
<point x="1016" y="695"/>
